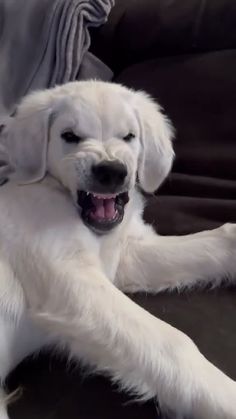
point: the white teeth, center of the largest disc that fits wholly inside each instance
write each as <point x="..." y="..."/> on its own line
<point x="104" y="196"/>
<point x="114" y="216"/>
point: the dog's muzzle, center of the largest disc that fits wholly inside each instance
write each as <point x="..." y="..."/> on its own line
<point x="102" y="209"/>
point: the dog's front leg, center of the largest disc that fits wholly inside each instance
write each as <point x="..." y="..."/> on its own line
<point x="3" y="403"/>
<point x="153" y="263"/>
<point x="104" y="328"/>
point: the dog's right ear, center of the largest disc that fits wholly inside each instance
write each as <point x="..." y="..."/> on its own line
<point x="156" y="133"/>
<point x="24" y="139"/>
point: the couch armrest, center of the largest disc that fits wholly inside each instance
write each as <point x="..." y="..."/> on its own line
<point x="145" y="29"/>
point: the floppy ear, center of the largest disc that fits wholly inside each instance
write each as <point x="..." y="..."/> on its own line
<point x="25" y="140"/>
<point x="156" y="134"/>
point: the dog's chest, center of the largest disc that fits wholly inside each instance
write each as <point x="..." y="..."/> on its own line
<point x="110" y="257"/>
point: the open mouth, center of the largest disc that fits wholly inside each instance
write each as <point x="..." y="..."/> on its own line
<point x="102" y="212"/>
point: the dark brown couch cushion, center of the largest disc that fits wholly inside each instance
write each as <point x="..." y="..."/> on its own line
<point x="138" y="30"/>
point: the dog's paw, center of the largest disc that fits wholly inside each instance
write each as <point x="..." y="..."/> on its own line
<point x="228" y="234"/>
<point x="229" y="229"/>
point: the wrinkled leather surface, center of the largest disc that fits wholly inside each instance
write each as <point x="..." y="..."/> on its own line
<point x="138" y="30"/>
<point x="183" y="53"/>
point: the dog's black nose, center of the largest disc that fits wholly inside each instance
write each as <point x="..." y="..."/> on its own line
<point x="110" y="173"/>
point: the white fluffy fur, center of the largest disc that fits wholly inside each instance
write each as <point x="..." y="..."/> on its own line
<point x="60" y="283"/>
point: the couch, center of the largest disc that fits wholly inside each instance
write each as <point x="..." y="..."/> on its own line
<point x="183" y="52"/>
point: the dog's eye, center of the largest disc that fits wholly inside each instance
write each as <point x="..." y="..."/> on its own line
<point x="70" y="137"/>
<point x="129" y="137"/>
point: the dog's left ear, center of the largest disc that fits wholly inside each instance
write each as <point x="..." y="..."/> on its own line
<point x="156" y="138"/>
<point x="25" y="139"/>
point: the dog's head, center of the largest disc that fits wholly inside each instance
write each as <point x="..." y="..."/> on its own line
<point x="97" y="139"/>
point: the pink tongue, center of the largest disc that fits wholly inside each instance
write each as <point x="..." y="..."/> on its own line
<point x="109" y="205"/>
<point x="103" y="208"/>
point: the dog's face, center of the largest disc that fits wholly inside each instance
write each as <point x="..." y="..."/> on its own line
<point x="96" y="138"/>
<point x="93" y="149"/>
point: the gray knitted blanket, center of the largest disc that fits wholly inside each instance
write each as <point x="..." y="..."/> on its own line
<point x="46" y="42"/>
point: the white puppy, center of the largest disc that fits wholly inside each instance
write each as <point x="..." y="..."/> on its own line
<point x="72" y="240"/>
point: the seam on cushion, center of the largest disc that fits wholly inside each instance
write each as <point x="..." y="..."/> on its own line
<point x="198" y="21"/>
